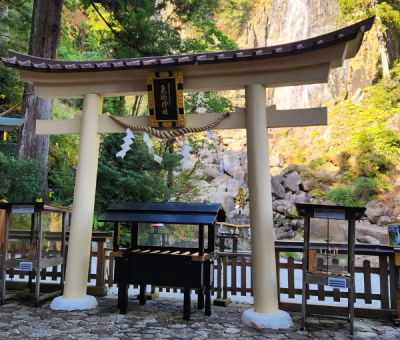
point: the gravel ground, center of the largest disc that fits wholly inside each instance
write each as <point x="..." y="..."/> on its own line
<point x="162" y="319"/>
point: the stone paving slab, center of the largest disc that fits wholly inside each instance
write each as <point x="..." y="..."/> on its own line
<point x="162" y="319"/>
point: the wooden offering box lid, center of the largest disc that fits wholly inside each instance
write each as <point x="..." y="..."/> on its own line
<point x="330" y="211"/>
<point x="164" y="212"/>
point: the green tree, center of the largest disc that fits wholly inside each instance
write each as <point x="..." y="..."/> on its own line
<point x="23" y="177"/>
<point x="137" y="177"/>
<point x="150" y="27"/>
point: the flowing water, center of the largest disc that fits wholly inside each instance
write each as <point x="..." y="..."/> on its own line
<point x="296" y="27"/>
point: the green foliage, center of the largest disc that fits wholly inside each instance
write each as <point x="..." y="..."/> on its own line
<point x="357" y="193"/>
<point x="342" y="195"/>
<point x="63" y="179"/>
<point x="370" y="149"/>
<point x="300" y="156"/>
<point x="318" y="193"/>
<point x="296" y="256"/>
<point x="137" y="177"/>
<point x="147" y="27"/>
<point x="373" y="146"/>
<point x="284" y="133"/>
<point x="317" y="163"/>
<point x="23" y="177"/>
<point x="293" y="213"/>
<point x="233" y="15"/>
<point x="14" y="35"/>
<point x="208" y="101"/>
<point x="353" y="10"/>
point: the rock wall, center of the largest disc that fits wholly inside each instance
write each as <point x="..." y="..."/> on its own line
<point x="275" y="22"/>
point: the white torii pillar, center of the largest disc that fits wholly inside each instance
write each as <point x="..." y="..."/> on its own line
<point x="266" y="313"/>
<point x="82" y="211"/>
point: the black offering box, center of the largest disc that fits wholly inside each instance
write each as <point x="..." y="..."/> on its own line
<point x="183" y="263"/>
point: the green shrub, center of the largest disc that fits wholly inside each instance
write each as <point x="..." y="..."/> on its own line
<point x="317" y="163"/>
<point x="318" y="193"/>
<point x="363" y="188"/>
<point x="357" y="193"/>
<point x="21" y="179"/>
<point x="64" y="180"/>
<point x="342" y="195"/>
<point x="343" y="160"/>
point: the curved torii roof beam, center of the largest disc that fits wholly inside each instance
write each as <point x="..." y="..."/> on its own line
<point x="303" y="62"/>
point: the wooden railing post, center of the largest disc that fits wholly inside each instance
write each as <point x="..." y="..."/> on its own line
<point x="225" y="299"/>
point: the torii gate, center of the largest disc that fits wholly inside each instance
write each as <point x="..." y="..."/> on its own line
<point x="298" y="63"/>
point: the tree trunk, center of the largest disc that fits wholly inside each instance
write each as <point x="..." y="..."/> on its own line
<point x="136" y="105"/>
<point x="121" y="106"/>
<point x="3" y="39"/>
<point x="44" y="41"/>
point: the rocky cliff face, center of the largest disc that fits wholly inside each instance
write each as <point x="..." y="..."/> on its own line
<point x="274" y="22"/>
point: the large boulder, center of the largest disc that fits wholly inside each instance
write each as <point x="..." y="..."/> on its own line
<point x="231" y="161"/>
<point x="292" y="181"/>
<point x="288" y="169"/>
<point x="276" y="160"/>
<point x="302" y="197"/>
<point x="277" y="189"/>
<point x="243" y="160"/>
<point x="234" y="214"/>
<point x="357" y="97"/>
<point x="329" y="171"/>
<point x="278" y="178"/>
<point x="368" y="239"/>
<point x="211" y="172"/>
<point x="394" y="123"/>
<point x="233" y="186"/>
<point x="307" y="185"/>
<point x="217" y="181"/>
<point x="238" y="145"/>
<point x="207" y="156"/>
<point x="275" y="170"/>
<point x="364" y="228"/>
<point x="224" y="198"/>
<point x="375" y="210"/>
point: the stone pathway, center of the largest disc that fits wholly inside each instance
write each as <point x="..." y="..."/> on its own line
<point x="162" y="319"/>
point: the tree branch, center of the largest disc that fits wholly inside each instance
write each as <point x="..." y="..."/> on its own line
<point x="12" y="3"/>
<point x="9" y="110"/>
<point x="11" y="38"/>
<point x="115" y="32"/>
<point x="14" y="107"/>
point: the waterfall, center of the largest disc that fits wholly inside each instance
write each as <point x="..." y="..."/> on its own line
<point x="296" y="27"/>
<point x="398" y="236"/>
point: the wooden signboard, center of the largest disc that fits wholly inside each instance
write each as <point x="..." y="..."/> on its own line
<point x="397" y="258"/>
<point x="312" y="261"/>
<point x="166" y="105"/>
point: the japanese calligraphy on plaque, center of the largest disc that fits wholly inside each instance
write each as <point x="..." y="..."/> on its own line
<point x="166" y="106"/>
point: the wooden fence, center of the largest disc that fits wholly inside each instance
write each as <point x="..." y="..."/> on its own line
<point x="50" y="276"/>
<point x="232" y="268"/>
<point x="232" y="277"/>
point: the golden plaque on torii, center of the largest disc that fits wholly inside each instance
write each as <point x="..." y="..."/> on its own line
<point x="165" y="93"/>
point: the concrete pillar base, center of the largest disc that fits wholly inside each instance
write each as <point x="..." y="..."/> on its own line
<point x="258" y="321"/>
<point x="61" y="303"/>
